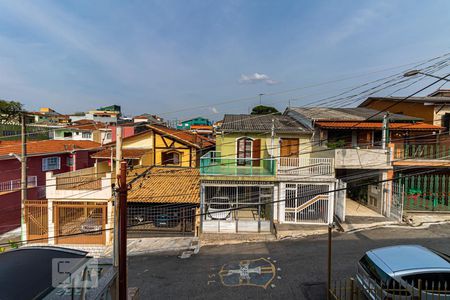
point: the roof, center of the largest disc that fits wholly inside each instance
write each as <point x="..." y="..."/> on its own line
<point x="378" y="125"/>
<point x="261" y="123"/>
<point x="193" y="139"/>
<point x="347" y="114"/>
<point x="201" y="127"/>
<point x="86" y="125"/>
<point x="34" y="269"/>
<point x="45" y="147"/>
<point x="438" y="100"/>
<point x="408" y="257"/>
<point x="167" y="185"/>
<point x="126" y="153"/>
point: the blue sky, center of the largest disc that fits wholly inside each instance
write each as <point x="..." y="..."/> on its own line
<point x="168" y="57"/>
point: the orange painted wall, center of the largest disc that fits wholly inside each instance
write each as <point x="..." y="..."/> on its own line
<point x="410" y="109"/>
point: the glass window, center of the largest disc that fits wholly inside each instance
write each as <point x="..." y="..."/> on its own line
<point x="244" y="151"/>
<point x="170" y="158"/>
<point x="375" y="271"/>
<point x="428" y="280"/>
<point x="86" y="135"/>
<point x="69" y="161"/>
<point x="51" y="163"/>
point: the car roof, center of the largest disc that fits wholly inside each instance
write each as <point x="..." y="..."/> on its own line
<point x="409" y="257"/>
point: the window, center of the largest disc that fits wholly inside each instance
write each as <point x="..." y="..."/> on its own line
<point x="69" y="161"/>
<point x="10" y="132"/>
<point x="51" y="163"/>
<point x="244" y="151"/>
<point x="67" y="134"/>
<point x="86" y="135"/>
<point x="170" y="158"/>
<point x="108" y="135"/>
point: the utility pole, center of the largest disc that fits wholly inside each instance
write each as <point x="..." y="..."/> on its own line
<point x="123" y="191"/>
<point x="385" y="131"/>
<point x="23" y="177"/>
<point x="116" y="164"/>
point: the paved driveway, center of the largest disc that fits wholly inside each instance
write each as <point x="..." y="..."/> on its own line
<point x="272" y="270"/>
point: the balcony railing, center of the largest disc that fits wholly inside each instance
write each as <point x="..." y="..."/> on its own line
<point x="212" y="163"/>
<point x="83" y="179"/>
<point x="299" y="166"/>
<point x="422" y="152"/>
<point x="14" y="185"/>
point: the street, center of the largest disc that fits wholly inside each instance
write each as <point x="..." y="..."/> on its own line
<point x="299" y="266"/>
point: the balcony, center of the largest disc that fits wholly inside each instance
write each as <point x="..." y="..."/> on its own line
<point x="212" y="163"/>
<point x="355" y="158"/>
<point x="437" y="155"/>
<point x="308" y="167"/>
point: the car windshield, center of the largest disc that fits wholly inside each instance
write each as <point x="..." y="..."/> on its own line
<point x="375" y="272"/>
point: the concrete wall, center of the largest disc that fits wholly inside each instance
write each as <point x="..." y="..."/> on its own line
<point x="361" y="159"/>
<point x="418" y="110"/>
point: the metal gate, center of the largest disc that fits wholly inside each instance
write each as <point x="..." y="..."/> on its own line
<point x="398" y="196"/>
<point x="307" y="203"/>
<point x="36" y="220"/>
<point x="340" y="199"/>
<point x="170" y="219"/>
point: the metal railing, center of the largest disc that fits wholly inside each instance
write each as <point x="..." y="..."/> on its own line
<point x="14" y="185"/>
<point x="422" y="151"/>
<point x="350" y="289"/>
<point x="212" y="163"/>
<point x="306" y="166"/>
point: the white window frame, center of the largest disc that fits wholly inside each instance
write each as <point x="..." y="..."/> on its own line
<point x="46" y="166"/>
<point x="86" y="135"/>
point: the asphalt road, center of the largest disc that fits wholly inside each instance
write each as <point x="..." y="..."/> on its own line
<point x="298" y="267"/>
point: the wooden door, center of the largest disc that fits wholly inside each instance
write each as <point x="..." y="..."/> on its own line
<point x="289" y="147"/>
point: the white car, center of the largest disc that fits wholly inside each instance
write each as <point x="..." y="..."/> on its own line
<point x="404" y="272"/>
<point x="219" y="208"/>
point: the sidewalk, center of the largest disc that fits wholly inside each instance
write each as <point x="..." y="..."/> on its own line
<point x="13" y="235"/>
<point x="358" y="216"/>
<point x="138" y="246"/>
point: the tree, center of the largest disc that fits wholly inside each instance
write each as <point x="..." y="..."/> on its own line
<point x="264" y="110"/>
<point x="9" y="110"/>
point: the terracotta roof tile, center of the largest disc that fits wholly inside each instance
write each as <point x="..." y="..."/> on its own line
<point x="167" y="185"/>
<point x="46" y="147"/>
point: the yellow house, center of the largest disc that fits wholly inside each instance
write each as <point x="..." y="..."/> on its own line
<point x="158" y="146"/>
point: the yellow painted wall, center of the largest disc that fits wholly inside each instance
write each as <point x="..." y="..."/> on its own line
<point x="174" y="145"/>
<point x="226" y="144"/>
<point x="141" y="141"/>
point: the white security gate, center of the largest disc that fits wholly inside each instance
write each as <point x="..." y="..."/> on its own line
<point x="398" y="196"/>
<point x="307" y="203"/>
<point x="339" y="200"/>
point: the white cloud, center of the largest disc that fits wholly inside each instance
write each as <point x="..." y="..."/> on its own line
<point x="257" y="77"/>
<point x="214" y="110"/>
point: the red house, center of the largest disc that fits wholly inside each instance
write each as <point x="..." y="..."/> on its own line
<point x="42" y="156"/>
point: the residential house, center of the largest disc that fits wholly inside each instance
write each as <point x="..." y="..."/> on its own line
<point x="194" y="121"/>
<point x="48" y="115"/>
<point x="84" y="130"/>
<point x="42" y="156"/>
<point x="203" y="130"/>
<point x="148" y="118"/>
<point x="107" y="115"/>
<point x="156" y="206"/>
<point x="427" y="191"/>
<point x="262" y="175"/>
<point x="81" y="201"/>
<point x="361" y="142"/>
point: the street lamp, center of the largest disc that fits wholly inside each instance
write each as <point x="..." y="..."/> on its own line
<point x="416" y="72"/>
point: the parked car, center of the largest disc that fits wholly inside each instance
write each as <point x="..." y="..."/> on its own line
<point x="219" y="208"/>
<point x="167" y="220"/>
<point x="93" y="223"/>
<point x="409" y="271"/>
